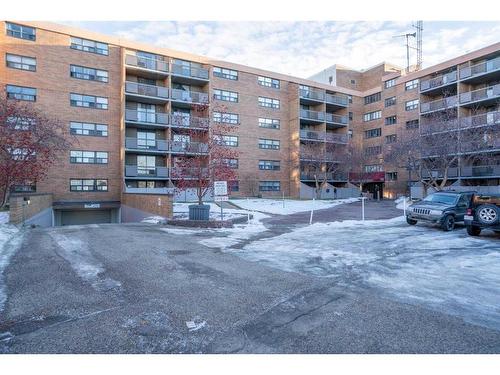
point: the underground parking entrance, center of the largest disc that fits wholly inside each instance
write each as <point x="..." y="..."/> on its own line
<point x="81" y="213"/>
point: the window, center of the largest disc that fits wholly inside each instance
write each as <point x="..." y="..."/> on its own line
<point x="373" y="133"/>
<point x="20" y="62"/>
<point x="269" y="165"/>
<point x="85" y="128"/>
<point x="269" y="186"/>
<point x="410" y="85"/>
<point x="233" y="186"/>
<point x="227" y="96"/>
<point x="88" y="185"/>
<point x="226" y="118"/>
<point x="269" y="123"/>
<point x="268" y="82"/>
<point x="411" y="105"/>
<point x="88" y="101"/>
<point x="390" y="83"/>
<point x="373" y="98"/>
<point x="230" y="163"/>
<point x="225" y="73"/>
<point x="20" y="31"/>
<point x="412" y="124"/>
<point x="353" y="81"/>
<point x="21" y="93"/>
<point x="230" y="140"/>
<point x="391" y="138"/>
<point x="146" y="140"/>
<point x="351" y="116"/>
<point x="88" y="157"/>
<point x="90" y="74"/>
<point x="391" y="176"/>
<point x="391" y="120"/>
<point x="20" y="123"/>
<point x="89" y="46"/>
<point x="373" y="150"/>
<point x="271" y="144"/>
<point x="372" y="116"/>
<point x="269" y="102"/>
<point x="390" y="101"/>
<point x="373" y="168"/>
<point x="349" y="97"/>
<point x="146" y="165"/>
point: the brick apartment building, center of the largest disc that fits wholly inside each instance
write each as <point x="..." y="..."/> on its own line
<point x="131" y="106"/>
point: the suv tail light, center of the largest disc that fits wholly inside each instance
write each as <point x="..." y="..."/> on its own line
<point x="469" y="211"/>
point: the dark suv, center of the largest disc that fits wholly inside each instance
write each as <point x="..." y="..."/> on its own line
<point x="483" y="213"/>
<point x="444" y="208"/>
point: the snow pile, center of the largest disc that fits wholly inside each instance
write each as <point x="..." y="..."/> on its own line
<point x="400" y="202"/>
<point x="10" y="240"/>
<point x="4" y="217"/>
<point x="153" y="220"/>
<point x="288" y="206"/>
<point x="181" y="212"/>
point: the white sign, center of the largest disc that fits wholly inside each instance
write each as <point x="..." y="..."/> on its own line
<point x="221" y="198"/>
<point x="92" y="205"/>
<point x="220" y="188"/>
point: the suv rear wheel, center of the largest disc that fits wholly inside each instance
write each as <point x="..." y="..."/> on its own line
<point x="487" y="214"/>
<point x="473" y="231"/>
<point x="448" y="223"/>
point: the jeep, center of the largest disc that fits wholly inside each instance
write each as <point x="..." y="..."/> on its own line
<point x="483" y="213"/>
<point x="444" y="208"/>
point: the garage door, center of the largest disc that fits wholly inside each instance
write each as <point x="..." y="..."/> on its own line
<point x="80" y="217"/>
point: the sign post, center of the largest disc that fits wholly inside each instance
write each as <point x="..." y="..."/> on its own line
<point x="220" y="195"/>
<point x="363" y="208"/>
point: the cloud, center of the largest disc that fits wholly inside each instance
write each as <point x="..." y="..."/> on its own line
<point x="304" y="48"/>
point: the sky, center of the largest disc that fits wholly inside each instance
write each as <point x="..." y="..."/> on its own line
<point x="304" y="48"/>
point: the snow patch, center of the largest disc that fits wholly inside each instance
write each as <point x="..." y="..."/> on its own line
<point x="79" y="256"/>
<point x="4" y="217"/>
<point x="153" y="220"/>
<point x="288" y="206"/>
<point x="10" y="241"/>
<point x="400" y="202"/>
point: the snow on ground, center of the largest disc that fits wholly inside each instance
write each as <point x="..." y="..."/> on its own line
<point x="153" y="220"/>
<point x="77" y="253"/>
<point x="10" y="240"/>
<point x="4" y="217"/>
<point x="447" y="271"/>
<point x="181" y="212"/>
<point x="289" y="206"/>
<point x="400" y="202"/>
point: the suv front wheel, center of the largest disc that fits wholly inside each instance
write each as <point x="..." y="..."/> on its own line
<point x="411" y="221"/>
<point x="448" y="223"/>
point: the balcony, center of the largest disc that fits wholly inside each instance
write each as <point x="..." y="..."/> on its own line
<point x="146" y="93"/>
<point x="336" y="138"/>
<point x="336" y="101"/>
<point x="330" y="176"/>
<point x="309" y="135"/>
<point x="309" y="155"/>
<point x="468" y="172"/>
<point x="483" y="72"/>
<point x="440" y="84"/>
<point x="483" y="97"/>
<point x="189" y="174"/>
<point x="146" y="67"/>
<point x="135" y="117"/>
<point x="438" y="105"/>
<point x="185" y="98"/>
<point x="477" y="121"/>
<point x="189" y="74"/>
<point x="148" y="173"/>
<point x="190" y="122"/>
<point x="188" y="147"/>
<point x="311" y="96"/>
<point x="336" y="121"/>
<point x="163" y="190"/>
<point x="143" y="146"/>
<point x="311" y="117"/>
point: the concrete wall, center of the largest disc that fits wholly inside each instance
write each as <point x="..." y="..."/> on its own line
<point x="151" y="204"/>
<point x="38" y="203"/>
<point x="307" y="192"/>
<point x="189" y="195"/>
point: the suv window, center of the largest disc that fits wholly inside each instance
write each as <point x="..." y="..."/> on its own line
<point x="464" y="200"/>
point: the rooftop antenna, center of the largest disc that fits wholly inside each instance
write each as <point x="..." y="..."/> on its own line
<point x="420" y="28"/>
<point x="407" y="36"/>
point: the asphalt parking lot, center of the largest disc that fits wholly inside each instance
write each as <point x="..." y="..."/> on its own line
<point x="143" y="289"/>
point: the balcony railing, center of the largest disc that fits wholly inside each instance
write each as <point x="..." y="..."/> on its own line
<point x="146" y="145"/>
<point x="147" y="63"/>
<point x="484" y="119"/>
<point x="442" y="80"/>
<point x="335" y="119"/>
<point x="312" y="115"/>
<point x="163" y="190"/>
<point x="188" y="147"/>
<point x="481" y="68"/>
<point x="330" y="176"/>
<point x="438" y="105"/>
<point x="335" y="138"/>
<point x="146" y="117"/>
<point x="140" y="171"/>
<point x="146" y="90"/>
<point x="492" y="92"/>
<point x="337" y="99"/>
<point x="189" y="96"/>
<point x="313" y="94"/>
<point x="468" y="171"/>
<point x="183" y="121"/>
<point x="189" y="71"/>
<point x="189" y="173"/>
<point x="322" y="136"/>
